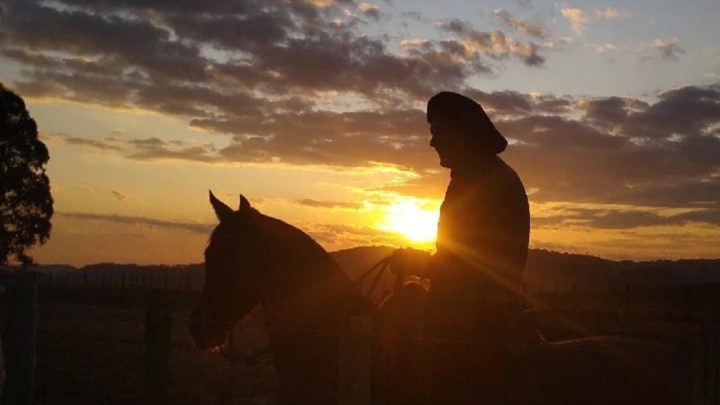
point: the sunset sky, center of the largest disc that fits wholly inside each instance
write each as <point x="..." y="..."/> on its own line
<point x="315" y="111"/>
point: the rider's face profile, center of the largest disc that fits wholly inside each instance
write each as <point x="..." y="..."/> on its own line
<point x="448" y="139"/>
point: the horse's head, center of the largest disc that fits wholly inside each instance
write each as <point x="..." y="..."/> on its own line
<point x="236" y="272"/>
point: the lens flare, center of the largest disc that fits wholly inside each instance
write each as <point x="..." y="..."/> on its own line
<point x="412" y="219"/>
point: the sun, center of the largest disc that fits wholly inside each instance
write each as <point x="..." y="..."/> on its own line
<point x="412" y="219"/>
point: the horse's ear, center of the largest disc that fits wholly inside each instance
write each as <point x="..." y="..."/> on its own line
<point x="244" y="204"/>
<point x="222" y="211"/>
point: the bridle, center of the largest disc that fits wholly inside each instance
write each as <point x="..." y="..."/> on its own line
<point x="378" y="268"/>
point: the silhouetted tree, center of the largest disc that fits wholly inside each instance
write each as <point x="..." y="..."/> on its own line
<point x="25" y="201"/>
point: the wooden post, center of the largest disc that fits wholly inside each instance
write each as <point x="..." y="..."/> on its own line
<point x="18" y="339"/>
<point x="355" y="362"/>
<point x="627" y="300"/>
<point x="706" y="368"/>
<point x="157" y="353"/>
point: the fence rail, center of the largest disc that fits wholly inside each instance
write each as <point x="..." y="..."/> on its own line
<point x="157" y="342"/>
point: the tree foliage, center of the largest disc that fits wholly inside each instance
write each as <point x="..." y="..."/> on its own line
<point x="26" y="205"/>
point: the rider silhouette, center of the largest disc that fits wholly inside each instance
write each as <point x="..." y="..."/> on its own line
<point x="482" y="247"/>
<point x="484" y="224"/>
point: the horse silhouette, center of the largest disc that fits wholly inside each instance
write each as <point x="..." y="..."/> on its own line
<point x="255" y="260"/>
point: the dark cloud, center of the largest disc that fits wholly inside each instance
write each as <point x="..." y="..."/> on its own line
<point x="346" y="139"/>
<point x="272" y="75"/>
<point x="142" y="221"/>
<point x="146" y="148"/>
<point x="684" y="111"/>
<point x="621" y="150"/>
<point x="121" y="41"/>
<point x="155" y="148"/>
<point x="494" y="44"/>
<point x="140" y="49"/>
<point x="91" y="143"/>
<point x="609" y="112"/>
<point x="503" y="102"/>
<point x="120" y="196"/>
<point x="519" y="25"/>
<point x="566" y="149"/>
<point x="669" y="50"/>
<point x="601" y="218"/>
<point x="370" y="10"/>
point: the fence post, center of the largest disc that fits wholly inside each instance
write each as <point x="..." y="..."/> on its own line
<point x="627" y="300"/>
<point x="354" y="362"/>
<point x="706" y="367"/>
<point x="157" y="353"/>
<point x="18" y="340"/>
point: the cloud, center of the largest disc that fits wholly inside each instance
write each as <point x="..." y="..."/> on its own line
<point x="600" y="149"/>
<point x="669" y="49"/>
<point x="141" y="221"/>
<point x="494" y="44"/>
<point x="625" y="218"/>
<point x="225" y="59"/>
<point x="120" y="196"/>
<point x="299" y="83"/>
<point x="577" y="18"/>
<point x="91" y="143"/>
<point x="580" y="19"/>
<point x="532" y="30"/>
<point x="610" y="13"/>
<point x="329" y="204"/>
<point x="369" y="10"/>
<point x="145" y="148"/>
<point x="604" y="47"/>
<point x="157" y="149"/>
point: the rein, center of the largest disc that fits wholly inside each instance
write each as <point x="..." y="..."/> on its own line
<point x="381" y="266"/>
<point x="226" y="349"/>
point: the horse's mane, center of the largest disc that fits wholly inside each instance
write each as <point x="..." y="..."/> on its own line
<point x="310" y="260"/>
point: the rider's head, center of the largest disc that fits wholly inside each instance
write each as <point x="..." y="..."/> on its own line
<point x="461" y="131"/>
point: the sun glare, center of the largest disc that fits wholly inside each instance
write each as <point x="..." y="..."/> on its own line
<point x="412" y="219"/>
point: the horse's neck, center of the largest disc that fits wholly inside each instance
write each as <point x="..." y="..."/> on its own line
<point x="317" y="294"/>
<point x="303" y="321"/>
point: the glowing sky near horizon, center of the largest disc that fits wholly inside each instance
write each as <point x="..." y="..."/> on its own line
<point x="315" y="112"/>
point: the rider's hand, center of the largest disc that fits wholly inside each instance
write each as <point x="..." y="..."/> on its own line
<point x="409" y="261"/>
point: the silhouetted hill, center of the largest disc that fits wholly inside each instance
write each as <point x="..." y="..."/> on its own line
<point x="548" y="270"/>
<point x="358" y="259"/>
<point x="545" y="270"/>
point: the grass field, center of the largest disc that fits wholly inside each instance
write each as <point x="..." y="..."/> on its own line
<point x="91" y="350"/>
<point x="91" y="341"/>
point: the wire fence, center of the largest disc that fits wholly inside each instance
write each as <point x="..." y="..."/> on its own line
<point x="122" y="338"/>
<point x="676" y="302"/>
